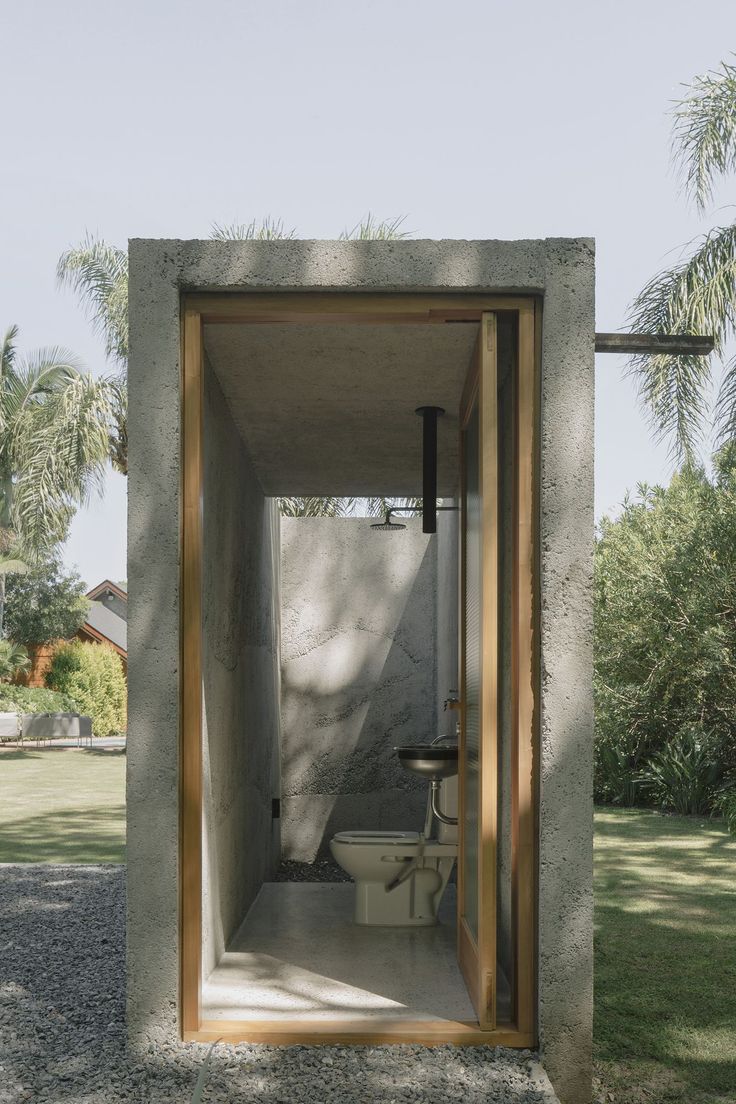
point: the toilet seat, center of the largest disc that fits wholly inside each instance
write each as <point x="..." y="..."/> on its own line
<point x="407" y="842"/>
<point x="379" y="839"/>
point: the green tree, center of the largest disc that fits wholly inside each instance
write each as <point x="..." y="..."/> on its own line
<point x="45" y="604"/>
<point x="91" y="674"/>
<point x="698" y="294"/>
<point x="665" y="638"/>
<point x="53" y="448"/>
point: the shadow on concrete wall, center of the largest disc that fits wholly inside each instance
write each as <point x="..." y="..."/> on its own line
<point x="358" y="677"/>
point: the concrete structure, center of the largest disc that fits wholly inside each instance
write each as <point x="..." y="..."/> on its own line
<point x="560" y="272"/>
<point x="240" y="678"/>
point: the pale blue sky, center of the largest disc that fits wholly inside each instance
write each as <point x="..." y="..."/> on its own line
<point x="476" y="120"/>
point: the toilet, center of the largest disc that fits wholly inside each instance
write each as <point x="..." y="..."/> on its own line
<point x="400" y="877"/>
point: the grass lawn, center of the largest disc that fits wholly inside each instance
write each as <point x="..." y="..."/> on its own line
<point x="62" y="805"/>
<point x="665" y="1004"/>
<point x="665" y="1027"/>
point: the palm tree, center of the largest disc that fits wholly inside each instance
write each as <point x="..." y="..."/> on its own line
<point x="13" y="659"/>
<point x="10" y="564"/>
<point x="698" y="294"/>
<point x="98" y="273"/>
<point x="53" y="447"/>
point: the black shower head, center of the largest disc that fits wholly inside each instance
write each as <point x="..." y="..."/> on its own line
<point x="387" y="524"/>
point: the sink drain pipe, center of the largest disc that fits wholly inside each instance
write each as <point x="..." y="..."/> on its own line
<point x="434" y="799"/>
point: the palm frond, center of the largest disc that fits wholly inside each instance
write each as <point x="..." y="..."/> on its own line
<point x="39" y="373"/>
<point x="377" y="507"/>
<point x="28" y="382"/>
<point x="7" y="350"/>
<point x="704" y="137"/>
<point x="314" y="507"/>
<point x="268" y="229"/>
<point x="118" y="434"/>
<point x="11" y="566"/>
<point x="725" y="411"/>
<point x="98" y="273"/>
<point x="13" y="659"/>
<point x="60" y="454"/>
<point x="697" y="296"/>
<point x="371" y="229"/>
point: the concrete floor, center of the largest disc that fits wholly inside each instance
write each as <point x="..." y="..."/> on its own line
<point x="299" y="954"/>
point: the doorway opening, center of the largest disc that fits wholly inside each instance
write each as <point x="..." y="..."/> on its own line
<point x="315" y="396"/>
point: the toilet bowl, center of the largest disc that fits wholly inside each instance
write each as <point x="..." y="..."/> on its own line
<point x="399" y="877"/>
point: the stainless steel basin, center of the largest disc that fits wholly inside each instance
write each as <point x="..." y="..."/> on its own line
<point x="431" y="761"/>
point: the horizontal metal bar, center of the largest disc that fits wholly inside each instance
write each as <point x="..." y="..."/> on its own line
<point x="673" y="344"/>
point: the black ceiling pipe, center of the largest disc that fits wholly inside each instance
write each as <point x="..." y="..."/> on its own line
<point x="429" y="416"/>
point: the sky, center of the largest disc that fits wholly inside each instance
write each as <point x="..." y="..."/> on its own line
<point x="474" y="120"/>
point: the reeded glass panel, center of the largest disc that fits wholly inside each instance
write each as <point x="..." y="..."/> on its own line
<point x="472" y="671"/>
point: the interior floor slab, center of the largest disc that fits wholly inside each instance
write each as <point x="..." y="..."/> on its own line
<point x="299" y="954"/>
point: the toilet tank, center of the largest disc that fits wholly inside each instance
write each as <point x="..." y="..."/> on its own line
<point x="447" y="833"/>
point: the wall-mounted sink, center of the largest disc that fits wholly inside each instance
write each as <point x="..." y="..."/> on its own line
<point x="431" y="761"/>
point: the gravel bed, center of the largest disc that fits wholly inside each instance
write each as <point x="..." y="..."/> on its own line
<point x="321" y="870"/>
<point x="62" y="1024"/>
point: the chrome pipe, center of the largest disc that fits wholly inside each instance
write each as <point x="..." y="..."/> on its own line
<point x="434" y="793"/>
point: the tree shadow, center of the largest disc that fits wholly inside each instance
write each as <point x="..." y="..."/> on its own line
<point x="94" y="834"/>
<point x="666" y="946"/>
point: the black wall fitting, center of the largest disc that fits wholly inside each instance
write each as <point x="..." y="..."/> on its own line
<point x="429" y="416"/>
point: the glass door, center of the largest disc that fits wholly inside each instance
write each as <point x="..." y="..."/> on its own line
<point x="479" y="676"/>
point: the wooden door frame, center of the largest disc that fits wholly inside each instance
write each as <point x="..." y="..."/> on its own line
<point x="198" y="310"/>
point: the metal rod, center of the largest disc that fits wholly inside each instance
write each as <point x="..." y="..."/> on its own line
<point x="429" y="415"/>
<point x="672" y="344"/>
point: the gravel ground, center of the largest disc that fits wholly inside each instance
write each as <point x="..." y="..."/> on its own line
<point x="321" y="870"/>
<point x="62" y="1024"/>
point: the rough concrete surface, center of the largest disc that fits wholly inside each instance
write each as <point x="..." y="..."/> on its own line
<point x="566" y="690"/>
<point x="240" y="683"/>
<point x="62" y="1024"/>
<point x="328" y="409"/>
<point x="560" y="270"/>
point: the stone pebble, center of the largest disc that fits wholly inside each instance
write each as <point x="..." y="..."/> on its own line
<point x="62" y="1023"/>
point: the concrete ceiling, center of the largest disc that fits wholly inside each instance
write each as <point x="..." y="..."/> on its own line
<point x="329" y="409"/>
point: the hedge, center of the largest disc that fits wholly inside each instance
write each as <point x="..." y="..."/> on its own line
<point x="91" y="674"/>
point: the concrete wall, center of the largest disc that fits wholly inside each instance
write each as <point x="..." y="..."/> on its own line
<point x="566" y="672"/>
<point x="359" y="628"/>
<point x="240" y="678"/>
<point x="562" y="272"/>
